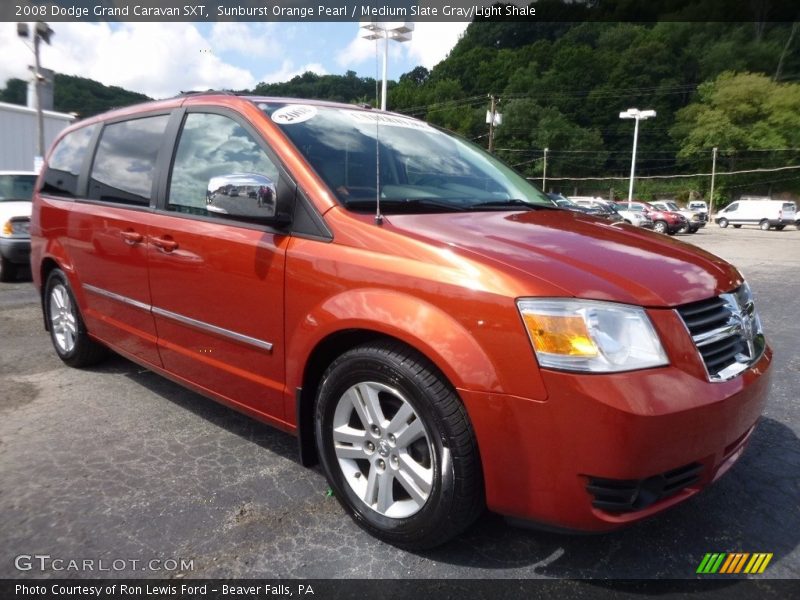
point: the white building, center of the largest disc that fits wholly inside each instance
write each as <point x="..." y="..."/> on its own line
<point x="18" y="138"/>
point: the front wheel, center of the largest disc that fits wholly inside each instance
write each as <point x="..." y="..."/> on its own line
<point x="723" y="223"/>
<point x="397" y="447"/>
<point x="737" y="226"/>
<point x="67" y="330"/>
<point x="660" y="227"/>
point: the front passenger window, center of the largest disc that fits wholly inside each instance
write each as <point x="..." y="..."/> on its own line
<point x="214" y="146"/>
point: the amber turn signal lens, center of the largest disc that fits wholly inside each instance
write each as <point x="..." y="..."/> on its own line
<point x="566" y="335"/>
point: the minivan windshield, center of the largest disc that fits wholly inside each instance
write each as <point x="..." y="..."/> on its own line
<point x="414" y="167"/>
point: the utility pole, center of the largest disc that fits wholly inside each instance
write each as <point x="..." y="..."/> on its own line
<point x="41" y="31"/>
<point x="713" y="173"/>
<point x="493" y="118"/>
<point x="490" y="118"/>
<point x="544" y="172"/>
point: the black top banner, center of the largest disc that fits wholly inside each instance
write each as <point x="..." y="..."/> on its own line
<point x="399" y="10"/>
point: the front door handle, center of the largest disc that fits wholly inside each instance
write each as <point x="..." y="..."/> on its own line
<point x="166" y="243"/>
<point x="131" y="237"/>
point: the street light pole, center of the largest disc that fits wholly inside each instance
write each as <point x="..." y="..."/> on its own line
<point x="638" y="115"/>
<point x="399" y="32"/>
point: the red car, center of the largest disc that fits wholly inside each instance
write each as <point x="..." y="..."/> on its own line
<point x="429" y="326"/>
<point x="663" y="221"/>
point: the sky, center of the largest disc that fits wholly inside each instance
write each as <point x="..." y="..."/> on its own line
<point x="162" y="59"/>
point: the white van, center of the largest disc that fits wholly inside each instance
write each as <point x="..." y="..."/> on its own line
<point x="762" y="212"/>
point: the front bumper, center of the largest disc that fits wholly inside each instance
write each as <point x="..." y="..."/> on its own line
<point x="541" y="458"/>
<point x="16" y="250"/>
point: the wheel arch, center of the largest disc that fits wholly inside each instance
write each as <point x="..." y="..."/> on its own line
<point x="448" y="346"/>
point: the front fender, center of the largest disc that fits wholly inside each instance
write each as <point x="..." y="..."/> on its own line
<point x="421" y="325"/>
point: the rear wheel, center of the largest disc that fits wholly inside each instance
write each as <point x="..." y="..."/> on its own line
<point x="780" y="227"/>
<point x="723" y="223"/>
<point x="67" y="330"/>
<point x="737" y="226"/>
<point x="764" y="225"/>
<point x="8" y="270"/>
<point x="397" y="446"/>
<point x="685" y="229"/>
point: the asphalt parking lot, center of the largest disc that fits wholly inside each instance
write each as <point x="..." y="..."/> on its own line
<point x="117" y="463"/>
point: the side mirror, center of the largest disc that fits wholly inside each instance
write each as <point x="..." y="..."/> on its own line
<point x="245" y="196"/>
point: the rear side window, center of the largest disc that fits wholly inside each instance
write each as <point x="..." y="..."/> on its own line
<point x="64" y="166"/>
<point x="125" y="163"/>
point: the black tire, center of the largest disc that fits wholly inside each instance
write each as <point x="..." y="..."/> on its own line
<point x="779" y="227"/>
<point x="685" y="229"/>
<point x="8" y="270"/>
<point x="398" y="379"/>
<point x="764" y="225"/>
<point x="694" y="229"/>
<point x="74" y="347"/>
<point x="723" y="223"/>
<point x="660" y="227"/>
<point x="737" y="226"/>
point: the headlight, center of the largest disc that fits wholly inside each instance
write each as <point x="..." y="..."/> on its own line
<point x="591" y="336"/>
<point x="16" y="227"/>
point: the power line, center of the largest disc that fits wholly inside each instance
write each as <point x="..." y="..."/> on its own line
<point x="678" y="176"/>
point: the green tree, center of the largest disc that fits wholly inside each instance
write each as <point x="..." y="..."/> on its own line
<point x="740" y="111"/>
<point x="15" y="92"/>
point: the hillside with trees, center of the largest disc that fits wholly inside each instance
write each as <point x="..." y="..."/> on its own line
<point x="561" y="86"/>
<point x="79" y="95"/>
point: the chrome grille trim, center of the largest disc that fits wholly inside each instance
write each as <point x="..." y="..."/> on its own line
<point x="726" y="331"/>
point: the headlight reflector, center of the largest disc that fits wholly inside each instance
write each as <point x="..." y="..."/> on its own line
<point x="591" y="336"/>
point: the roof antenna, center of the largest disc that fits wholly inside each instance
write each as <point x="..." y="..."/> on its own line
<point x="378" y="215"/>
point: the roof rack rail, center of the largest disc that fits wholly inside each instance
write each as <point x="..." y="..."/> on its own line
<point x="195" y="92"/>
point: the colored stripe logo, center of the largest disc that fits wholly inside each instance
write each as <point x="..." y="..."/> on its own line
<point x="729" y="563"/>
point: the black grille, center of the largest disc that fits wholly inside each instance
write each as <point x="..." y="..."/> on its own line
<point x="725" y="330"/>
<point x="628" y="495"/>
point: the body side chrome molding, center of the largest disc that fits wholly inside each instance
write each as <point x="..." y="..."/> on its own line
<point x="117" y="297"/>
<point x="203" y="326"/>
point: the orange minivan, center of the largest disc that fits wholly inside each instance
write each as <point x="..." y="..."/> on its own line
<point x="434" y="332"/>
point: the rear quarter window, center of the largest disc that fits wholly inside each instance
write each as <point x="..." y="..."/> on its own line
<point x="125" y="163"/>
<point x="66" y="160"/>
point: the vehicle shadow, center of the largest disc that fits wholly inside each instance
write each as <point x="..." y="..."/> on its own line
<point x="228" y="419"/>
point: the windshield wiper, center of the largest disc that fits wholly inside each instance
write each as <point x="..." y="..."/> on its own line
<point x="511" y="202"/>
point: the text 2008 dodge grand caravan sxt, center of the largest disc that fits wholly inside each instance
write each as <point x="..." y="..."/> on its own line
<point x="463" y="344"/>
